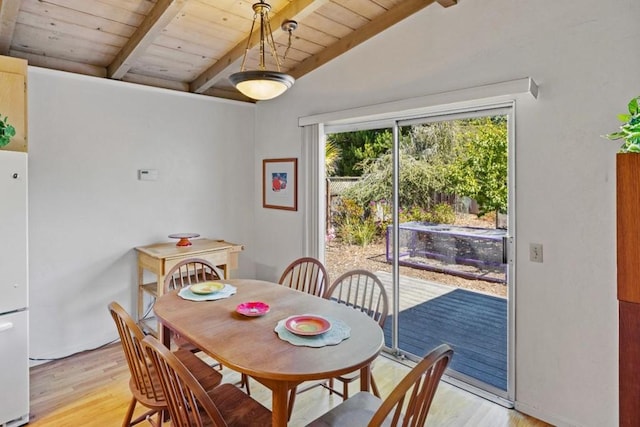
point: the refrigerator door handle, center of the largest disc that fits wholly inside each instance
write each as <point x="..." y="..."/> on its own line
<point x="6" y="326"/>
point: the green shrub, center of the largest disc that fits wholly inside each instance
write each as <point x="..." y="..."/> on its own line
<point x="354" y="224"/>
<point x="414" y="213"/>
<point x="443" y="213"/>
<point x="359" y="225"/>
<point x="365" y="232"/>
<point x="358" y="232"/>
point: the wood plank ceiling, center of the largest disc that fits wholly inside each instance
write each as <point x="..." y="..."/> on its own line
<point x="187" y="45"/>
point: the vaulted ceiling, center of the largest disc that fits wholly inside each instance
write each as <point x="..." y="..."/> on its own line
<point x="187" y="45"/>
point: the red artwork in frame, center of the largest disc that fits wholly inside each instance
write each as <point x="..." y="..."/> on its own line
<point x="280" y="184"/>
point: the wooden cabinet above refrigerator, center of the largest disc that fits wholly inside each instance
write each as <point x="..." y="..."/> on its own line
<point x="13" y="100"/>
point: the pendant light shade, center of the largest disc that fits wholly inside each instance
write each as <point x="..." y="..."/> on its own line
<point x="263" y="84"/>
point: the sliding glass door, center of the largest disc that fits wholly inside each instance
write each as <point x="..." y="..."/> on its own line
<point x="425" y="204"/>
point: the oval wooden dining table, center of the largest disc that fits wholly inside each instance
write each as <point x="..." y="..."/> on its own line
<point x="249" y="344"/>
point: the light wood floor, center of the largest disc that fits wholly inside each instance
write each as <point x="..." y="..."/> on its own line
<point x="91" y="389"/>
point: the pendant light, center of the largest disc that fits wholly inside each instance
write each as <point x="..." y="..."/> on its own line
<point x="263" y="84"/>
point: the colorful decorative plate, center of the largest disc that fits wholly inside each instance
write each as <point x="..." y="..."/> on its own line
<point x="253" y="308"/>
<point x="206" y="288"/>
<point x="307" y="325"/>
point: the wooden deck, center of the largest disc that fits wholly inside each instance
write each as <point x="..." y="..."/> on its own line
<point x="473" y="323"/>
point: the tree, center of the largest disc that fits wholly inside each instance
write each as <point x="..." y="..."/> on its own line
<point x="332" y="155"/>
<point x="480" y="171"/>
<point x="426" y="150"/>
<point x="466" y="157"/>
<point x="356" y="147"/>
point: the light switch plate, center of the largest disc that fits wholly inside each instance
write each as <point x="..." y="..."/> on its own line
<point x="535" y="252"/>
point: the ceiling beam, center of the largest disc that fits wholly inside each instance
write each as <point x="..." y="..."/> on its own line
<point x="295" y="10"/>
<point x="60" y="64"/>
<point x="396" y="14"/>
<point x="159" y="17"/>
<point x="231" y="93"/>
<point x="8" y="15"/>
<point x="155" y="82"/>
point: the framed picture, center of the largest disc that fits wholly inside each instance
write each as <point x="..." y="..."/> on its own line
<point x="280" y="184"/>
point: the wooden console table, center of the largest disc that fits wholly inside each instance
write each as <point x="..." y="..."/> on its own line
<point x="159" y="258"/>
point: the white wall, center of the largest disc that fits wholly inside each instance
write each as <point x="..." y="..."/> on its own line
<point x="87" y="139"/>
<point x="583" y="54"/>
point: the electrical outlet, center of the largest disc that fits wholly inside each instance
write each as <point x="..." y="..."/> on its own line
<point x="535" y="252"/>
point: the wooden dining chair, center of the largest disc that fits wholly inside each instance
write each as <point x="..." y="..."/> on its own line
<point x="144" y="383"/>
<point x="190" y="405"/>
<point x="363" y="291"/>
<point x="189" y="272"/>
<point x="186" y="273"/>
<point x="419" y="386"/>
<point x="306" y="275"/>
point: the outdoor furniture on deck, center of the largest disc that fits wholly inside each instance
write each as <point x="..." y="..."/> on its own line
<point x="471" y="252"/>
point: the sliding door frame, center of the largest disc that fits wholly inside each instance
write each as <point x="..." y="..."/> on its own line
<point x="488" y="97"/>
<point x="507" y="109"/>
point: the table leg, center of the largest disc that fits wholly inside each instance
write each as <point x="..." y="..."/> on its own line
<point x="279" y="399"/>
<point x="140" y="312"/>
<point x="165" y="335"/>
<point x="365" y="378"/>
<point x="280" y="404"/>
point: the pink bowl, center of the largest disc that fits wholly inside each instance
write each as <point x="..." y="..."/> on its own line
<point x="253" y="308"/>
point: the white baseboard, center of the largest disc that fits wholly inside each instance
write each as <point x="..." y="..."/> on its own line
<point x="95" y="342"/>
<point x="544" y="416"/>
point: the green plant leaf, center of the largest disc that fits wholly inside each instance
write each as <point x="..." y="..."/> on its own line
<point x="633" y="106"/>
<point x="615" y="135"/>
<point x="630" y="129"/>
<point x="6" y="131"/>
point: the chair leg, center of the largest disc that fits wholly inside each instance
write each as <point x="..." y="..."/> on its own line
<point x="144" y="417"/>
<point x="330" y="386"/>
<point x="292" y="399"/>
<point x="153" y="423"/>
<point x="127" y="418"/>
<point x="374" y="387"/>
<point x="345" y="390"/>
<point x="244" y="382"/>
<point x="161" y="416"/>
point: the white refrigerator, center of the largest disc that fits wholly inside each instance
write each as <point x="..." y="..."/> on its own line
<point x="14" y="294"/>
